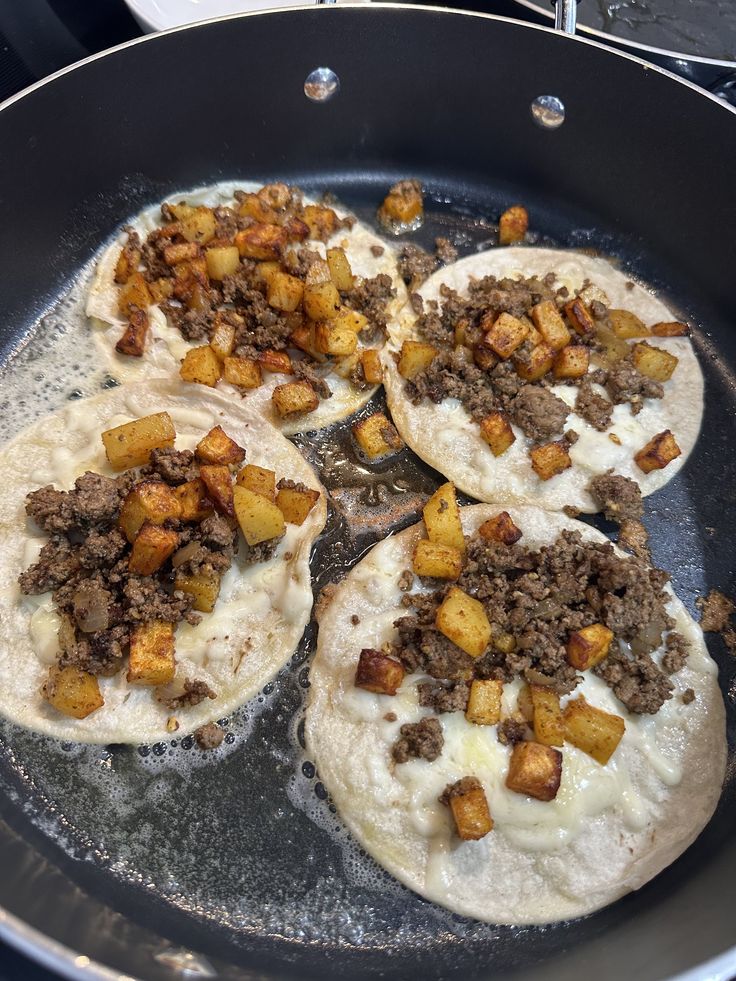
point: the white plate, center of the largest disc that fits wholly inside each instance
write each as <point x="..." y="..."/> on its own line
<point x="159" y="15"/>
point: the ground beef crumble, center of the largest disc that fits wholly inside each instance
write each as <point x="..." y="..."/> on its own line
<point x="618" y="497"/>
<point x="419" y="740"/>
<point x="209" y="736"/>
<point x="458" y="789"/>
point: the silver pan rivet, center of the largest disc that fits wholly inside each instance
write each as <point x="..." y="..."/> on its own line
<point x="321" y="84"/>
<point x="548" y="111"/>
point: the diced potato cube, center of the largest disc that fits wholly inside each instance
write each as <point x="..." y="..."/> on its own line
<point x="222" y="340"/>
<point x="550" y="324"/>
<point x="259" y="519"/>
<point x="193" y="501"/>
<point x="349" y="319"/>
<point x="318" y="273"/>
<point x="201" y="366"/>
<point x="321" y="301"/>
<point x="296" y="229"/>
<point x="251" y="206"/>
<point x="588" y="646"/>
<point x="278" y="362"/>
<point x="160" y="289"/>
<point x="549" y="728"/>
<point x="135" y="293"/>
<point x="127" y="264"/>
<point x="130" y="445"/>
<point x="179" y="252"/>
<point x="658" y="452"/>
<point x="503" y="642"/>
<point x="506" y="334"/>
<point x="218" y="447"/>
<point x="535" y="770"/>
<point x="198" y="225"/>
<point x="335" y="340"/>
<point x="152" y="501"/>
<point x="550" y="459"/>
<point x="222" y="261"/>
<point x="670" y="328"/>
<point x="495" y="429"/>
<point x="525" y="703"/>
<point x="322" y="222"/>
<point x="294" y="398"/>
<point x="484" y="702"/>
<point x="151" y="654"/>
<point x="403" y="204"/>
<point x="133" y="341"/>
<point x="73" y="692"/>
<point x="152" y="547"/>
<point x="204" y="587"/>
<point x="626" y="325"/>
<point x="415" y="357"/>
<point x="378" y="673"/>
<point x="541" y="359"/>
<point x="500" y="528"/>
<point x="219" y="483"/>
<point x="596" y="732"/>
<point x="442" y="518"/>
<point x="580" y="317"/>
<point x="267" y="270"/>
<point x="483" y="355"/>
<point x="376" y="436"/>
<point x="340" y="271"/>
<point x="513" y="225"/>
<point x="572" y="361"/>
<point x="372" y="367"/>
<point x="470" y="812"/>
<point x="261" y="241"/>
<point x="654" y="362"/>
<point x="436" y="560"/>
<point x="295" y="505"/>
<point x="259" y="480"/>
<point x="462" y="619"/>
<point x="243" y="372"/>
<point x="285" y="292"/>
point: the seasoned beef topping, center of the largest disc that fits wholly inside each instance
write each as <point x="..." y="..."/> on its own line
<point x="421" y="740"/>
<point x="193" y="691"/>
<point x="539" y="413"/>
<point x="209" y="736"/>
<point x="626" y="384"/>
<point x="717" y="610"/>
<point x="511" y="731"/>
<point x="635" y="680"/>
<point x="415" y="265"/>
<point x="594" y="408"/>
<point x="444" y="698"/>
<point x="459" y="788"/>
<point x="618" y="497"/>
<point x="174" y="466"/>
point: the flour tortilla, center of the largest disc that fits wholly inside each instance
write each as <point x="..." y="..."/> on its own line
<point x="260" y="615"/>
<point x="610" y="829"/>
<point x="167" y="347"/>
<point x="446" y="437"/>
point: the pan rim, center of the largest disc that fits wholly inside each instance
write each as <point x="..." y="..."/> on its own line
<point x="32" y="942"/>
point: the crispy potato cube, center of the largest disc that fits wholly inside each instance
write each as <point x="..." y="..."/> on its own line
<point x="525" y="703"/>
<point x="179" y="252"/>
<point x="193" y="501"/>
<point x="506" y="334"/>
<point x="513" y="225"/>
<point x="204" y="587"/>
<point x="415" y="357"/>
<point x="580" y="317"/>
<point x="588" y="646"/>
<point x="654" y="362"/>
<point x="160" y="289"/>
<point x="626" y="325"/>
<point x="670" y="328"/>
<point x="349" y="319"/>
<point x="243" y="372"/>
<point x="658" y="452"/>
<point x="469" y="809"/>
<point x="127" y="263"/>
<point x="549" y="728"/>
<point x="572" y="361"/>
<point x="252" y="206"/>
<point x="484" y="703"/>
<point x="151" y="654"/>
<point x="495" y="429"/>
<point x="150" y="501"/>
<point x="278" y="362"/>
<point x="335" y="340"/>
<point x="541" y="359"/>
<point x="403" y="204"/>
<point x="296" y="229"/>
<point x="260" y="520"/>
<point x="198" y="225"/>
<point x="442" y="518"/>
<point x="218" y="447"/>
<point x="130" y="445"/>
<point x="340" y="271"/>
<point x="152" y="547"/>
<point x="294" y="398"/>
<point x="261" y="241"/>
<point x="500" y="528"/>
<point x="321" y="301"/>
<point x="550" y="459"/>
<point x="135" y="293"/>
<point x="295" y="505"/>
<point x="267" y="270"/>
<point x="219" y="483"/>
<point x="222" y="340"/>
<point x="436" y="560"/>
<point x="372" y="367"/>
<point x="484" y="356"/>
<point x="73" y="692"/>
<point x="222" y="261"/>
<point x="535" y="770"/>
<point x="347" y="365"/>
<point x="462" y="619"/>
<point x="133" y="341"/>
<point x="259" y="480"/>
<point x="378" y="673"/>
<point x="201" y="366"/>
<point x="550" y="324"/>
<point x="285" y="292"/>
<point x="377" y="436"/>
<point x="322" y="222"/>
<point x="596" y="732"/>
<point x="318" y="273"/>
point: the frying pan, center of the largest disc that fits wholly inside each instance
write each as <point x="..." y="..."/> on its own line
<point x="156" y="863"/>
